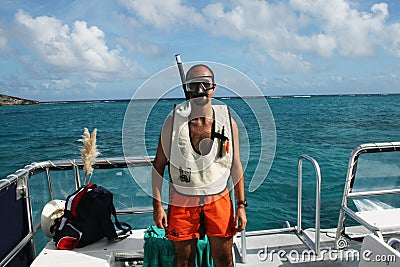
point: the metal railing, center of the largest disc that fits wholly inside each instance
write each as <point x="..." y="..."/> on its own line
<point x="298" y="229"/>
<point x="350" y="177"/>
<point x="124" y="162"/>
<point x="21" y="179"/>
<point x="317" y="201"/>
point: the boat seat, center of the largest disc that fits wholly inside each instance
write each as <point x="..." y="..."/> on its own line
<point x="373" y="172"/>
<point x="380" y="222"/>
<point x="386" y="220"/>
<point x="375" y="252"/>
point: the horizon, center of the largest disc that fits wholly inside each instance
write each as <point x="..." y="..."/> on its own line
<point x="67" y="51"/>
<point x="218" y="98"/>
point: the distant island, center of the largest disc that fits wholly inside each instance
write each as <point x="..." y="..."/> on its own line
<point x="6" y="100"/>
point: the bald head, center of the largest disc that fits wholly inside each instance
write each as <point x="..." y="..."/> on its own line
<point x="199" y="71"/>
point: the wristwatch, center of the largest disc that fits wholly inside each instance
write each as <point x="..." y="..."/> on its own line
<point x="243" y="202"/>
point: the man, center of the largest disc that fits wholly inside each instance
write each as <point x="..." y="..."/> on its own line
<point x="200" y="144"/>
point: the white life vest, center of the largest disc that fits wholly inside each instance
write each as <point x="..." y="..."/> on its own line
<point x="195" y="174"/>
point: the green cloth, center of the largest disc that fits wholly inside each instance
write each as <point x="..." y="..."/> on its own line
<point x="203" y="254"/>
<point x="159" y="250"/>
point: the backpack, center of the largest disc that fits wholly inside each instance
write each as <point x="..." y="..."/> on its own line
<point x="87" y="219"/>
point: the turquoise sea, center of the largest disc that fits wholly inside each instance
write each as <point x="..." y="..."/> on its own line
<point x="324" y="127"/>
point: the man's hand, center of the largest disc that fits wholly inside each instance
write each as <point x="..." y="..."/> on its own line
<point x="241" y="217"/>
<point x="160" y="218"/>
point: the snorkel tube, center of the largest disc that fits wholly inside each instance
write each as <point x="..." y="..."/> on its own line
<point x="182" y="74"/>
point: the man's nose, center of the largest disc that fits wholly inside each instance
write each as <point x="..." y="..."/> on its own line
<point x="200" y="88"/>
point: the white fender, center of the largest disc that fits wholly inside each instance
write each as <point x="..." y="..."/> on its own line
<point x="51" y="211"/>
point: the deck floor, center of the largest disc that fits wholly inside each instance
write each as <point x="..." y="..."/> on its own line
<point x="262" y="250"/>
<point x="97" y="254"/>
<point x="290" y="250"/>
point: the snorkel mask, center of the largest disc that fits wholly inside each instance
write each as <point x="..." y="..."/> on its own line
<point x="198" y="86"/>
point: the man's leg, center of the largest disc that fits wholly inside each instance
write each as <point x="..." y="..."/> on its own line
<point x="221" y="250"/>
<point x="185" y="252"/>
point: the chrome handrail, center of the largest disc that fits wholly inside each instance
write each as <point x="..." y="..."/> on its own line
<point x="123" y="162"/>
<point x="46" y="166"/>
<point x="350" y="176"/>
<point x="100" y="163"/>
<point x="6" y="260"/>
<point x="297" y="228"/>
<point x="374" y="193"/>
<point x="317" y="200"/>
<point x="272" y="231"/>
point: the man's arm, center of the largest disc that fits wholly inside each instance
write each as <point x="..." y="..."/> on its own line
<point x="160" y="161"/>
<point x="238" y="179"/>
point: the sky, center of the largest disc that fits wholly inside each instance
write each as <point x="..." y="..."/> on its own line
<point x="84" y="50"/>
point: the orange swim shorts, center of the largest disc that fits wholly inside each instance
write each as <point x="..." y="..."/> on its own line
<point x="184" y="222"/>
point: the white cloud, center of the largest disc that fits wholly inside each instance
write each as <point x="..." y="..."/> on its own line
<point x="301" y="26"/>
<point x="143" y="47"/>
<point x="290" y="62"/>
<point x="163" y="14"/>
<point x="68" y="87"/>
<point x="288" y="35"/>
<point x="60" y="85"/>
<point x="320" y="27"/>
<point x="393" y="37"/>
<point x="224" y="22"/>
<point x="91" y="84"/>
<point x="356" y="33"/>
<point x="267" y="25"/>
<point x="81" y="49"/>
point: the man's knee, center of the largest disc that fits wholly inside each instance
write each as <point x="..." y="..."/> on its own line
<point x="223" y="259"/>
<point x="221" y="251"/>
<point x="185" y="252"/>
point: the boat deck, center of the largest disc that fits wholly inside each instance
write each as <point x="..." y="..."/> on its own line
<point x="290" y="246"/>
<point x="101" y="253"/>
<point x="286" y="249"/>
<point x="291" y="250"/>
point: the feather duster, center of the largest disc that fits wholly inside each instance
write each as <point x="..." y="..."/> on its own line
<point x="89" y="152"/>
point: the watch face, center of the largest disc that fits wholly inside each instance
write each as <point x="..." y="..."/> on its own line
<point x="243" y="202"/>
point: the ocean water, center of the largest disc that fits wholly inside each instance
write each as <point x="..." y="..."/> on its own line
<point x="324" y="127"/>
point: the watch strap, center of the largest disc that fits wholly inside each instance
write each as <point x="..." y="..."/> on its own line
<point x="243" y="202"/>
